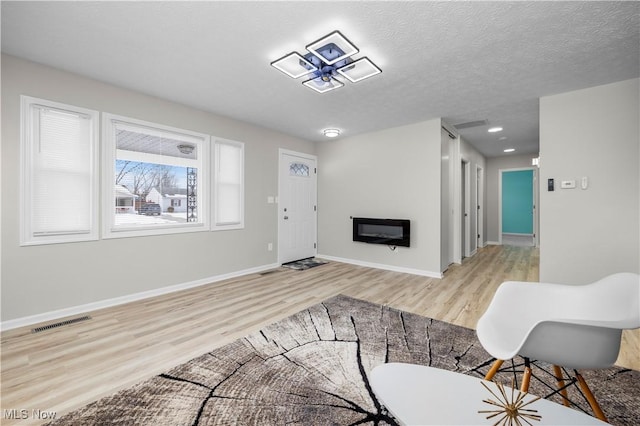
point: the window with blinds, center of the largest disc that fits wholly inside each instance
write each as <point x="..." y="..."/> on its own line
<point x="58" y="172"/>
<point x="229" y="185"/>
<point x="156" y="179"/>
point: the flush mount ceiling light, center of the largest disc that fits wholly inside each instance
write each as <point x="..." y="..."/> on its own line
<point x="509" y="150"/>
<point x="327" y="58"/>
<point x="321" y="85"/>
<point x="494" y="129"/>
<point x="294" y="65"/>
<point x="186" y="149"/>
<point x="359" y="70"/>
<point x="331" y="133"/>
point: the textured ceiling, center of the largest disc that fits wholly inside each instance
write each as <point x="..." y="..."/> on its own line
<point x="463" y="61"/>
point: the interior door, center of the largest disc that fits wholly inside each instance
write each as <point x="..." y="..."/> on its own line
<point x="479" y="212"/>
<point x="297" y="207"/>
<point x="517" y="203"/>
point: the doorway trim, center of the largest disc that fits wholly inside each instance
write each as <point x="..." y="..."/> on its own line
<point x="479" y="207"/>
<point x="535" y="201"/>
<point x="465" y="207"/>
<point x="281" y="153"/>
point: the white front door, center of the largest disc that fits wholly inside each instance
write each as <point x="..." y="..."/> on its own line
<point x="297" y="206"/>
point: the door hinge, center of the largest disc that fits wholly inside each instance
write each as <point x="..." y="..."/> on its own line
<point x="478" y="235"/>
<point x="315" y="170"/>
<point x="315" y="245"/>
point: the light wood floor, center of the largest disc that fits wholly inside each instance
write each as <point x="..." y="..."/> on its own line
<point x="66" y="368"/>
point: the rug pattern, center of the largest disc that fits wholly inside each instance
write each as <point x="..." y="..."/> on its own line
<point x="312" y="369"/>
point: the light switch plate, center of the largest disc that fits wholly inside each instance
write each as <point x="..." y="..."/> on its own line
<point x="568" y="184"/>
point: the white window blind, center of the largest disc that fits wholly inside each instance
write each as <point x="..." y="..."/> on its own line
<point x="229" y="184"/>
<point x="59" y="146"/>
<point x="163" y="173"/>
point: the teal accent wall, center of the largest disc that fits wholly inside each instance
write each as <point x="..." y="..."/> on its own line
<point x="517" y="202"/>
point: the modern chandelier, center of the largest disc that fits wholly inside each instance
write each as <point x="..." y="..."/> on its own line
<point x="329" y="59"/>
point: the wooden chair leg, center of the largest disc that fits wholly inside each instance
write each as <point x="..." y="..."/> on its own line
<point x="526" y="378"/>
<point x="560" y="382"/>
<point x="592" y="399"/>
<point x="494" y="369"/>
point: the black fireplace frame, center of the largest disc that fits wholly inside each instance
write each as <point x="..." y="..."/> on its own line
<point x="362" y="227"/>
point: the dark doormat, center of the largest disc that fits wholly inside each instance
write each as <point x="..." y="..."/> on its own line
<point x="302" y="264"/>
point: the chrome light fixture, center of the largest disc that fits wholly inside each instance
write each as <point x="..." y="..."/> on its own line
<point x="331" y="133"/>
<point x="327" y="58"/>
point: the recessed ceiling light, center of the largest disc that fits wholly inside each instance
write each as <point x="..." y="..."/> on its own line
<point x="494" y="129"/>
<point x="509" y="150"/>
<point x="331" y="133"/>
<point x="502" y="138"/>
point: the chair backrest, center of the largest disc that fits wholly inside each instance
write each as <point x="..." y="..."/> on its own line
<point x="572" y="325"/>
<point x="613" y="301"/>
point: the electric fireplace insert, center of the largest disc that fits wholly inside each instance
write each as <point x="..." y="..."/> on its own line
<point x="391" y="232"/>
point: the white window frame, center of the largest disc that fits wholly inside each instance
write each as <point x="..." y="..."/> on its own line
<point x="28" y="146"/>
<point x="217" y="224"/>
<point x="108" y="195"/>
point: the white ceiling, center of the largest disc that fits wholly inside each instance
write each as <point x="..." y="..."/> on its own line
<point x="463" y="61"/>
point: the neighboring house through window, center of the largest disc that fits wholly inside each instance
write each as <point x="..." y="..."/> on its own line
<point x="156" y="178"/>
<point x="155" y="163"/>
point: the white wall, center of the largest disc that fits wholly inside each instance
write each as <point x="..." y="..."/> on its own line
<point x="492" y="176"/>
<point x="394" y="173"/>
<point x="587" y="234"/>
<point x="40" y="279"/>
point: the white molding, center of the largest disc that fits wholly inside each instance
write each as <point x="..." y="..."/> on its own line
<point x="281" y="183"/>
<point x="535" y="203"/>
<point x="480" y="190"/>
<point x="382" y="266"/>
<point x="493" y="243"/>
<point x="107" y="303"/>
<point x="109" y="155"/>
<point x="27" y="145"/>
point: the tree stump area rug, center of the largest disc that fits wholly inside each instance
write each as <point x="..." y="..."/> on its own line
<point x="312" y="369"/>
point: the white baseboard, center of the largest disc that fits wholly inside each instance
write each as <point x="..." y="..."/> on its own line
<point x="473" y="252"/>
<point x="382" y="266"/>
<point x="493" y="243"/>
<point x="81" y="309"/>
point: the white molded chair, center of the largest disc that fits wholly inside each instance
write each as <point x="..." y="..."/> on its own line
<point x="574" y="326"/>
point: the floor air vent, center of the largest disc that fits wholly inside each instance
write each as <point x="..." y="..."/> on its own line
<point x="60" y="324"/>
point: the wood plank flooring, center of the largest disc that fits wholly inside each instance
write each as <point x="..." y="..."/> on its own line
<point x="65" y="368"/>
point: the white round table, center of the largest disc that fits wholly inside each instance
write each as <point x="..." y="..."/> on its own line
<point x="419" y="395"/>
